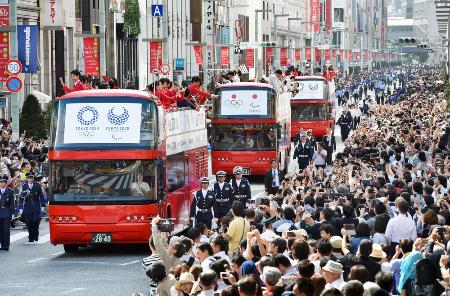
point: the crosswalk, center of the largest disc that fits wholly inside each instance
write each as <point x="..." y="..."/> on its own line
<point x="22" y="236"/>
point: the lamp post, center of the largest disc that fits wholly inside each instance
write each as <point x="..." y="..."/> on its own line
<point x="256" y="39"/>
<point x="289" y="33"/>
<point x="277" y="52"/>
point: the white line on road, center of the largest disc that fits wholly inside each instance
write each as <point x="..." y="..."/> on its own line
<point x="73" y="290"/>
<point x="44" y="239"/>
<point x="129" y="263"/>
<point x="17" y="236"/>
<point x="35" y="260"/>
<point x="82" y="262"/>
<point x="59" y="253"/>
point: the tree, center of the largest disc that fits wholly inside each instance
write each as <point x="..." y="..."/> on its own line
<point x="32" y="121"/>
<point x="131" y="17"/>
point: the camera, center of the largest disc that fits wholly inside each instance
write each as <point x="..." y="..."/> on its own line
<point x="166" y="225"/>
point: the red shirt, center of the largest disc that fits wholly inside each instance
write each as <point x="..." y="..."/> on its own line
<point x="76" y="87"/>
<point x="196" y="91"/>
<point x="167" y="100"/>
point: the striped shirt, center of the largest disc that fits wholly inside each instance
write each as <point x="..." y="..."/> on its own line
<point x="146" y="263"/>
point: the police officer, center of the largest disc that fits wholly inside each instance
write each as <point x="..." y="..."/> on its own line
<point x="202" y="204"/>
<point x="345" y="123"/>
<point x="33" y="202"/>
<point x="223" y="194"/>
<point x="303" y="152"/>
<point x="241" y="186"/>
<point x="6" y="212"/>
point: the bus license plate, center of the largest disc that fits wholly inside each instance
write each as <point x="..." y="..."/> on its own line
<point x="246" y="171"/>
<point x="102" y="238"/>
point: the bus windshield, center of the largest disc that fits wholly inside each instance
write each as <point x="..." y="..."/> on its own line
<point x="90" y="123"/>
<point x="244" y="137"/>
<point x="105" y="180"/>
<point x="309" y="112"/>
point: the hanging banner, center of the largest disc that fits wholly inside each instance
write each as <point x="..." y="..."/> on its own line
<point x="208" y="31"/>
<point x="283" y="57"/>
<point x="318" y="55"/>
<point x="315" y="14"/>
<point x="333" y="53"/>
<point x="4" y="42"/>
<point x="250" y="58"/>
<point x="327" y="54"/>
<point x="308" y="53"/>
<point x="198" y="54"/>
<point x="357" y="56"/>
<point x="91" y="57"/>
<point x="350" y="56"/>
<point x="269" y="52"/>
<point x="53" y="13"/>
<point x="298" y="55"/>
<point x="224" y="56"/>
<point x="342" y="54"/>
<point x="328" y="6"/>
<point x="27" y="38"/>
<point x="155" y="56"/>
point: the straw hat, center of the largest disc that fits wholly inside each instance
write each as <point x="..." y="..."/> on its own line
<point x="185" y="277"/>
<point x="377" y="252"/>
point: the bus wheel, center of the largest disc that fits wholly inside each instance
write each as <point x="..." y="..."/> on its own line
<point x="71" y="248"/>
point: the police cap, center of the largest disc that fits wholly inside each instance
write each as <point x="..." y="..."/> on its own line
<point x="204" y="180"/>
<point x="221" y="174"/>
<point x="29" y="175"/>
<point x="237" y="170"/>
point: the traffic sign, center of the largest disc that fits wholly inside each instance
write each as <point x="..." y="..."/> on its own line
<point x="157" y="10"/>
<point x="289" y="61"/>
<point x="14" y="67"/>
<point x="14" y="84"/>
<point x="165" y="69"/>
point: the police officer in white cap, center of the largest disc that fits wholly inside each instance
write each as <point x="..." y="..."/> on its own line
<point x="223" y="196"/>
<point x="6" y="212"/>
<point x="202" y="204"/>
<point x="241" y="186"/>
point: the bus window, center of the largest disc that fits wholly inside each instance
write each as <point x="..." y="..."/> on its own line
<point x="178" y="170"/>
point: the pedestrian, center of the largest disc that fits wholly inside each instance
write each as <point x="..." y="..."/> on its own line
<point x="7" y="210"/>
<point x="241" y="187"/>
<point x="32" y="199"/>
<point x="329" y="143"/>
<point x="203" y="204"/>
<point x="273" y="178"/>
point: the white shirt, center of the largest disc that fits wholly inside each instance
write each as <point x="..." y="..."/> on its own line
<point x="320" y="157"/>
<point x="268" y="235"/>
<point x="207" y="262"/>
<point x="141" y="188"/>
<point x="238" y="182"/>
<point x="207" y="293"/>
<point x="336" y="284"/>
<point x="222" y="255"/>
<point x="204" y="192"/>
<point x="221" y="185"/>
<point x="276" y="179"/>
<point x="401" y="227"/>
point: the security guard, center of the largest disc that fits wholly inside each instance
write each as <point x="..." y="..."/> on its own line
<point x="223" y="194"/>
<point x="6" y="212"/>
<point x="33" y="202"/>
<point x="241" y="186"/>
<point x="202" y="204"/>
<point x="303" y="152"/>
<point x="345" y="122"/>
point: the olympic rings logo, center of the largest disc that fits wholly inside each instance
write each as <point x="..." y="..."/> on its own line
<point x="314" y="87"/>
<point x="234" y="103"/>
<point x="118" y="119"/>
<point x="82" y="115"/>
<point x="86" y="134"/>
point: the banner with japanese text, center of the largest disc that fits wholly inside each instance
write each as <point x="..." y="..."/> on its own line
<point x="198" y="54"/>
<point x="52" y="13"/>
<point x="155" y="55"/>
<point x="318" y="54"/>
<point x="4" y="42"/>
<point x="269" y="52"/>
<point x="327" y="54"/>
<point x="342" y="54"/>
<point x="298" y="55"/>
<point x="224" y="56"/>
<point x="250" y="58"/>
<point x="315" y="14"/>
<point x="308" y="53"/>
<point x="91" y="56"/>
<point x="283" y="56"/>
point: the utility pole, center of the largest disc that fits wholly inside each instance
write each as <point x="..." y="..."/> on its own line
<point x="256" y="40"/>
<point x="13" y="56"/>
<point x="277" y="49"/>
<point x="289" y="34"/>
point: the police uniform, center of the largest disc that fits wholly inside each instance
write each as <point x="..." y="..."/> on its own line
<point x="344" y="122"/>
<point x="6" y="211"/>
<point x="202" y="205"/>
<point x="223" y="194"/>
<point x="242" y="191"/>
<point x="32" y="199"/>
<point x="303" y="153"/>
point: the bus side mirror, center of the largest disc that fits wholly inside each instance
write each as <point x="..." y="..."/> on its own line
<point x="161" y="179"/>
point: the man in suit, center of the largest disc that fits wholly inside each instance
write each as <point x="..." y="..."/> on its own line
<point x="329" y="143"/>
<point x="6" y="212"/>
<point x="202" y="204"/>
<point x="273" y="178"/>
<point x="33" y="202"/>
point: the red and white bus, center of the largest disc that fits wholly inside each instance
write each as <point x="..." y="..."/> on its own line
<point x="249" y="128"/>
<point x="312" y="106"/>
<point x="116" y="161"/>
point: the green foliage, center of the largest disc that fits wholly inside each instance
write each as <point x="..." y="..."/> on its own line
<point x="32" y="119"/>
<point x="131" y="17"/>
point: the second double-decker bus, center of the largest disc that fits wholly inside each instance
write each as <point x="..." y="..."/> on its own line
<point x="250" y="127"/>
<point x="312" y="106"/>
<point x="116" y="161"/>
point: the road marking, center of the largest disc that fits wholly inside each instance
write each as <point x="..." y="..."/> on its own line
<point x="83" y="262"/>
<point x="129" y="263"/>
<point x="73" y="290"/>
<point x="35" y="260"/>
<point x="59" y="253"/>
<point x="44" y="239"/>
<point x="17" y="236"/>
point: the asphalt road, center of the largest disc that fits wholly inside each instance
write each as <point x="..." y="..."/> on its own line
<point x="44" y="269"/>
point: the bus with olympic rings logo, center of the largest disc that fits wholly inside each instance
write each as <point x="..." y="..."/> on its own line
<point x="250" y="127"/>
<point x="116" y="160"/>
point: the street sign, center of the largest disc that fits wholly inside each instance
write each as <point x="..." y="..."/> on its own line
<point x="13" y="67"/>
<point x="179" y="64"/>
<point x="249" y="44"/>
<point x="165" y="69"/>
<point x="289" y="61"/>
<point x="2" y="102"/>
<point x="14" y="84"/>
<point x="157" y="10"/>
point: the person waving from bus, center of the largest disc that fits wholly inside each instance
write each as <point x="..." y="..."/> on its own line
<point x="197" y="92"/>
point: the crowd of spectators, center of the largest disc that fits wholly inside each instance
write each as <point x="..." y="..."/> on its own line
<point x="373" y="222"/>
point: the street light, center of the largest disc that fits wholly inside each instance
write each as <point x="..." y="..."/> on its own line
<point x="289" y="32"/>
<point x="256" y="38"/>
<point x="276" y="16"/>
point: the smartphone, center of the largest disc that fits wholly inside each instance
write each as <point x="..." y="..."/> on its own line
<point x="326" y="205"/>
<point x="224" y="275"/>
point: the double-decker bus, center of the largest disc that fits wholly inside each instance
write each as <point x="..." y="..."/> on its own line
<point x="116" y="161"/>
<point x="249" y="128"/>
<point x="312" y="106"/>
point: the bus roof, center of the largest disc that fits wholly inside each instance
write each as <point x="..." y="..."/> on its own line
<point x="310" y="77"/>
<point x="106" y="93"/>
<point x="246" y="84"/>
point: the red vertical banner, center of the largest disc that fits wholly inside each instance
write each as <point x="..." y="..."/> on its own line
<point x="328" y="6"/>
<point x="91" y="57"/>
<point x="269" y="52"/>
<point x="350" y="56"/>
<point x="308" y="53"/>
<point x="318" y="55"/>
<point x="342" y="54"/>
<point x="155" y="55"/>
<point x="298" y="55"/>
<point x="224" y="56"/>
<point x="250" y="58"/>
<point x="358" y="56"/>
<point x="198" y="54"/>
<point x="327" y="54"/>
<point x="283" y="56"/>
<point x="4" y="42"/>
<point x="315" y="14"/>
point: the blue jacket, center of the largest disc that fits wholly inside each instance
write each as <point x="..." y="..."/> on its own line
<point x="7" y="208"/>
<point x="32" y="198"/>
